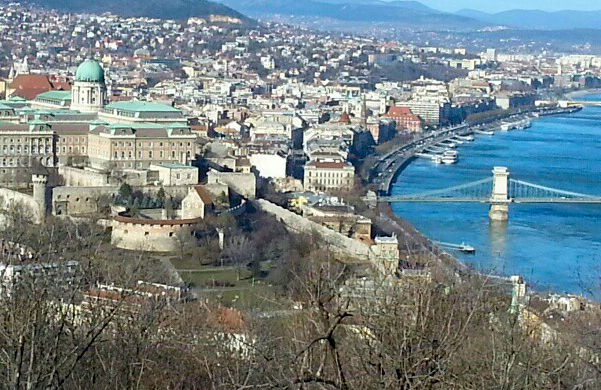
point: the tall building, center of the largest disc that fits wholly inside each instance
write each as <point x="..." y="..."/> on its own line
<point x="88" y="93"/>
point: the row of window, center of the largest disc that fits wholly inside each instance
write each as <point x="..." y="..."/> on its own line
<point x="24" y="162"/>
<point x="149" y="144"/>
<point x="25" y="150"/>
<point x="75" y="140"/>
<point x="150" y="154"/>
<point x="36" y="141"/>
<point x="329" y="182"/>
<point x="328" y="174"/>
<point x="325" y="188"/>
<point x="59" y="197"/>
<point x="71" y="149"/>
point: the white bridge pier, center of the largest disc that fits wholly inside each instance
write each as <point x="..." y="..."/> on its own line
<point x="499" y="201"/>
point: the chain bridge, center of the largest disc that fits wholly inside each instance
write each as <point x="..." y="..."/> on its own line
<point x="499" y="191"/>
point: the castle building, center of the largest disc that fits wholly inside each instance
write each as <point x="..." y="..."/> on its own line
<point x="23" y="146"/>
<point x="88" y="93"/>
<point x="79" y="128"/>
<point x="139" y="146"/>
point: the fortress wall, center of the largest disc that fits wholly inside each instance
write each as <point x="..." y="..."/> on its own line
<point x="155" y="236"/>
<point x="339" y="243"/>
<point x="13" y="200"/>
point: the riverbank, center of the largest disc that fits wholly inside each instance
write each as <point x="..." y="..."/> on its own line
<point x="583" y="92"/>
<point x="418" y="241"/>
<point x="556" y="247"/>
<point x="406" y="153"/>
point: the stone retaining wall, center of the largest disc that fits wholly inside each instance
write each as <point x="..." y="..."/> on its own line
<point x="339" y="243"/>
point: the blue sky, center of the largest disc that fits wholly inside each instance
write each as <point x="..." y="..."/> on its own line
<point x="503" y="5"/>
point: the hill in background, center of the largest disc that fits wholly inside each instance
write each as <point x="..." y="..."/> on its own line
<point x="538" y="20"/>
<point x="350" y="13"/>
<point x="163" y="9"/>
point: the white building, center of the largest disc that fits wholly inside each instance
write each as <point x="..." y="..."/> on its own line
<point x="270" y="165"/>
<point x="176" y="174"/>
<point x="329" y="175"/>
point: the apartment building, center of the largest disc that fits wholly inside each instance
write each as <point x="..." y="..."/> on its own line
<point x="321" y="176"/>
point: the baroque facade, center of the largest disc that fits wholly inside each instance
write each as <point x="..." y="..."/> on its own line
<point x="78" y="128"/>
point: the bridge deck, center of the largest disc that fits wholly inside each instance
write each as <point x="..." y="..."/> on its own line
<point x="512" y="191"/>
<point x="400" y="199"/>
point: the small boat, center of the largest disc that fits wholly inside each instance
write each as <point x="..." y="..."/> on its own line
<point x="485" y="132"/>
<point x="450" y="153"/>
<point x="463" y="247"/>
<point x="465" y="138"/>
<point x="448" y="160"/>
<point x="448" y="144"/>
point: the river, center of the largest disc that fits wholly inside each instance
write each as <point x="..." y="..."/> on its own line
<point x="556" y="247"/>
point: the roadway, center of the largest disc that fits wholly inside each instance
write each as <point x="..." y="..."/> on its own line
<point x="387" y="166"/>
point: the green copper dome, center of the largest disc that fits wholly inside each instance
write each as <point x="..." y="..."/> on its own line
<point x="90" y="71"/>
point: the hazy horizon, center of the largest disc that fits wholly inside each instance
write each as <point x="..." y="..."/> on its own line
<point x="500" y="6"/>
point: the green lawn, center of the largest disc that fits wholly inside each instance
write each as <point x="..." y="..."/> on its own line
<point x="230" y="286"/>
<point x="258" y="297"/>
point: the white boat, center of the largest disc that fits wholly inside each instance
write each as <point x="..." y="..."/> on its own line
<point x="450" y="153"/>
<point x="448" y="144"/>
<point x="466" y="138"/>
<point x="463" y="247"/>
<point x="449" y="160"/>
<point x="525" y="124"/>
<point x="485" y="132"/>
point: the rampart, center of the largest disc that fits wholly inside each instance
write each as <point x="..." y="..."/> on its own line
<point x="340" y="244"/>
<point x="152" y="235"/>
<point x="11" y="200"/>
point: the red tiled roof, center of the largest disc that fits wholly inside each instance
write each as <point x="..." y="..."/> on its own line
<point x="345" y="118"/>
<point x="395" y="111"/>
<point x="28" y="86"/>
<point x="204" y="195"/>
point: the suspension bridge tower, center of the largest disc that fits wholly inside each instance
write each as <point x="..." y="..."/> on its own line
<point x="499" y="201"/>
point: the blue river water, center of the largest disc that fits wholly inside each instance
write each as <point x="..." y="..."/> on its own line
<point x="556" y="247"/>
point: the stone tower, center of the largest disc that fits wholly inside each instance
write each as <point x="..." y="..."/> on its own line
<point x="88" y="93"/>
<point x="499" y="202"/>
<point x="387" y="254"/>
<point x="40" y="191"/>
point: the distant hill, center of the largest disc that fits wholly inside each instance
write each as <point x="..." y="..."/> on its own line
<point x="403" y="14"/>
<point x="415" y="5"/>
<point x="162" y="9"/>
<point x="538" y="20"/>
